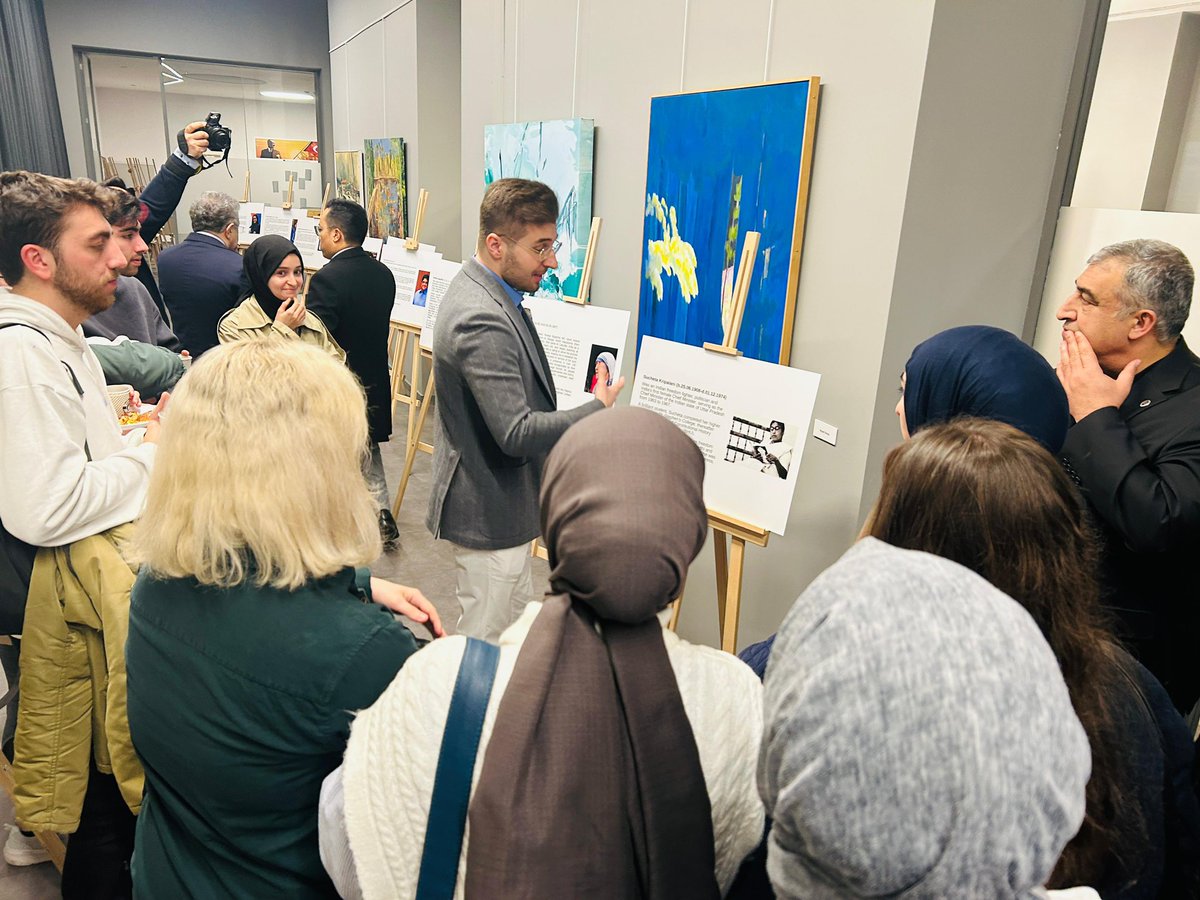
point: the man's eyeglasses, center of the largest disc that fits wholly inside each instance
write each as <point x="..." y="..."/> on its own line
<point x="539" y="252"/>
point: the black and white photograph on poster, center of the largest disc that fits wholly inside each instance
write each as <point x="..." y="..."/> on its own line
<point x="761" y="445"/>
<point x="748" y="417"/>
<point x="602" y="363"/>
<point x="576" y="338"/>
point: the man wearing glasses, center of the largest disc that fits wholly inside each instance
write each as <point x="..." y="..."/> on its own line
<point x="497" y="414"/>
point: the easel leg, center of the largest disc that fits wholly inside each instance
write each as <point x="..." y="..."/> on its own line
<point x="411" y="456"/>
<point x="51" y="841"/>
<point x="721" y="551"/>
<point x="414" y="379"/>
<point x="729" y="624"/>
<point x="398" y="344"/>
<point x="676" y="605"/>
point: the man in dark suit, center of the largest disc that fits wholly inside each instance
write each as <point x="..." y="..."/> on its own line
<point x="202" y="278"/>
<point x="1134" y="390"/>
<point x="497" y="415"/>
<point x="353" y="295"/>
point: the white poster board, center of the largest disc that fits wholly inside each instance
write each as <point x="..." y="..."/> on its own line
<point x="440" y="276"/>
<point x="729" y="407"/>
<point x="413" y="270"/>
<point x="574" y="336"/>
<point x="277" y="220"/>
<point x="308" y="242"/>
<point x="249" y="218"/>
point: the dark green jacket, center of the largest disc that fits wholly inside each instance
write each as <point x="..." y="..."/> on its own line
<point x="240" y="703"/>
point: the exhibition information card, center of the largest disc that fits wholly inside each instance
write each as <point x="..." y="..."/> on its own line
<point x="583" y="343"/>
<point x="749" y="419"/>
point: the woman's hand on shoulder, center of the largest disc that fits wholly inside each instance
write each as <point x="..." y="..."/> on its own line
<point x="407" y="601"/>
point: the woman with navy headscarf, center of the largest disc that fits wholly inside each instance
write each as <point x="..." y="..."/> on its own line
<point x="985" y="372"/>
<point x="973" y="370"/>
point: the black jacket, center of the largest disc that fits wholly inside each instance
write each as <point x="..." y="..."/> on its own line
<point x="353" y="296"/>
<point x="161" y="196"/>
<point x="201" y="279"/>
<point x="1139" y="469"/>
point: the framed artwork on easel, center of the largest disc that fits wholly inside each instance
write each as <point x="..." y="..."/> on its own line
<point x="723" y="163"/>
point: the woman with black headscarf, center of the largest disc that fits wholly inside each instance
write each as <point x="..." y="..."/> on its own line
<point x="615" y="760"/>
<point x="274" y="306"/>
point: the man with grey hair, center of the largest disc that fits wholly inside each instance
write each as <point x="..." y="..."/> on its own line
<point x="202" y="277"/>
<point x="1134" y="449"/>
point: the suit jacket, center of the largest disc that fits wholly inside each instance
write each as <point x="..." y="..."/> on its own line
<point x="1139" y="469"/>
<point x="353" y="295"/>
<point x="202" y="279"/>
<point x="497" y="416"/>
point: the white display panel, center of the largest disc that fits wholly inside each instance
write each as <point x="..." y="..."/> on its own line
<point x="413" y="271"/>
<point x="440" y="275"/>
<point x="573" y="336"/>
<point x="728" y="405"/>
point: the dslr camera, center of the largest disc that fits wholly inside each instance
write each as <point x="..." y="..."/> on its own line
<point x="219" y="137"/>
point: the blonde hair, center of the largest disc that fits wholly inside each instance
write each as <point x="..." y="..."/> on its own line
<point x="259" y="471"/>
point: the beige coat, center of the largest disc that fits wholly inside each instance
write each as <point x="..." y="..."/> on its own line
<point x="247" y="320"/>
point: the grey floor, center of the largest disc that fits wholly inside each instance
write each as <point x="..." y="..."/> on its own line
<point x="419" y="561"/>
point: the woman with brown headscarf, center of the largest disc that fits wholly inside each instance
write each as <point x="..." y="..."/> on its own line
<point x="616" y="760"/>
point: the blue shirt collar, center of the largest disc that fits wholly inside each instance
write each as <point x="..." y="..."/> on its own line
<point x="513" y="294"/>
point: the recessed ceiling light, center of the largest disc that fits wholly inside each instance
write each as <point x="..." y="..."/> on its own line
<point x="287" y="95"/>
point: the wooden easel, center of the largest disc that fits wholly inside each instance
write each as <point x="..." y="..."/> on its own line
<point x="585" y="279"/>
<point x="325" y="198"/>
<point x="413" y="241"/>
<point x="246" y="188"/>
<point x="730" y="535"/>
<point x="291" y="192"/>
<point x="418" y="403"/>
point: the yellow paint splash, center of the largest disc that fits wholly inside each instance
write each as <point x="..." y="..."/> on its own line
<point x="672" y="254"/>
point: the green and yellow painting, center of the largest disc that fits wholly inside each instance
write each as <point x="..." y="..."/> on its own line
<point x="385" y="187"/>
<point x="722" y="163"/>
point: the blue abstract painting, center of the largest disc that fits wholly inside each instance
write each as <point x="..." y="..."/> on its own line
<point x="722" y="163"/>
<point x="558" y="153"/>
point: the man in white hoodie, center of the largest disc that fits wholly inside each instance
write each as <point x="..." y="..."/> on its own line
<point x="65" y="470"/>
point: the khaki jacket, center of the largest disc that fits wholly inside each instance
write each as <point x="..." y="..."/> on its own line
<point x="247" y="320"/>
<point x="73" y="699"/>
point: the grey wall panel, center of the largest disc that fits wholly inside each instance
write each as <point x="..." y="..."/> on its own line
<point x="256" y="34"/>
<point x="725" y="49"/>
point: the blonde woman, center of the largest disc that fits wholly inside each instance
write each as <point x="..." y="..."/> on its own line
<point x="249" y="639"/>
<point x="274" y="305"/>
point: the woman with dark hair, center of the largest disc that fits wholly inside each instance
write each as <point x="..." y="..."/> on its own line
<point x="974" y="370"/>
<point x="274" y="306"/>
<point x="987" y="496"/>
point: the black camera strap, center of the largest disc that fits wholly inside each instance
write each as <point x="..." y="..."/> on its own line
<point x="204" y="163"/>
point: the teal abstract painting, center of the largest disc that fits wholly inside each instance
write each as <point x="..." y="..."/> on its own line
<point x="722" y="163"/>
<point x="558" y="153"/>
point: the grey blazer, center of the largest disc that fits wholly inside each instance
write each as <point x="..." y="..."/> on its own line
<point x="497" y="416"/>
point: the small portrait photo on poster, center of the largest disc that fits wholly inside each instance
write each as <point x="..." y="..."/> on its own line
<point x="421" y="294"/>
<point x="763" y="445"/>
<point x="602" y="363"/>
<point x="256" y="223"/>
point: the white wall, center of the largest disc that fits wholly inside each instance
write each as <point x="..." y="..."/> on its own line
<point x="930" y="188"/>
<point x="395" y="69"/>
<point x="294" y="35"/>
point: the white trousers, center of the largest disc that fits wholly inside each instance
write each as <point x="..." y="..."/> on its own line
<point x="493" y="587"/>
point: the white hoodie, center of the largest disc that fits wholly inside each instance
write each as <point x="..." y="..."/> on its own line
<point x="50" y="494"/>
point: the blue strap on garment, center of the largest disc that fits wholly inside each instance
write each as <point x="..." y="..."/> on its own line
<point x="455" y="767"/>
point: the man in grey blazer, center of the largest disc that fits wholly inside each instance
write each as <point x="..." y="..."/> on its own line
<point x="497" y="414"/>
